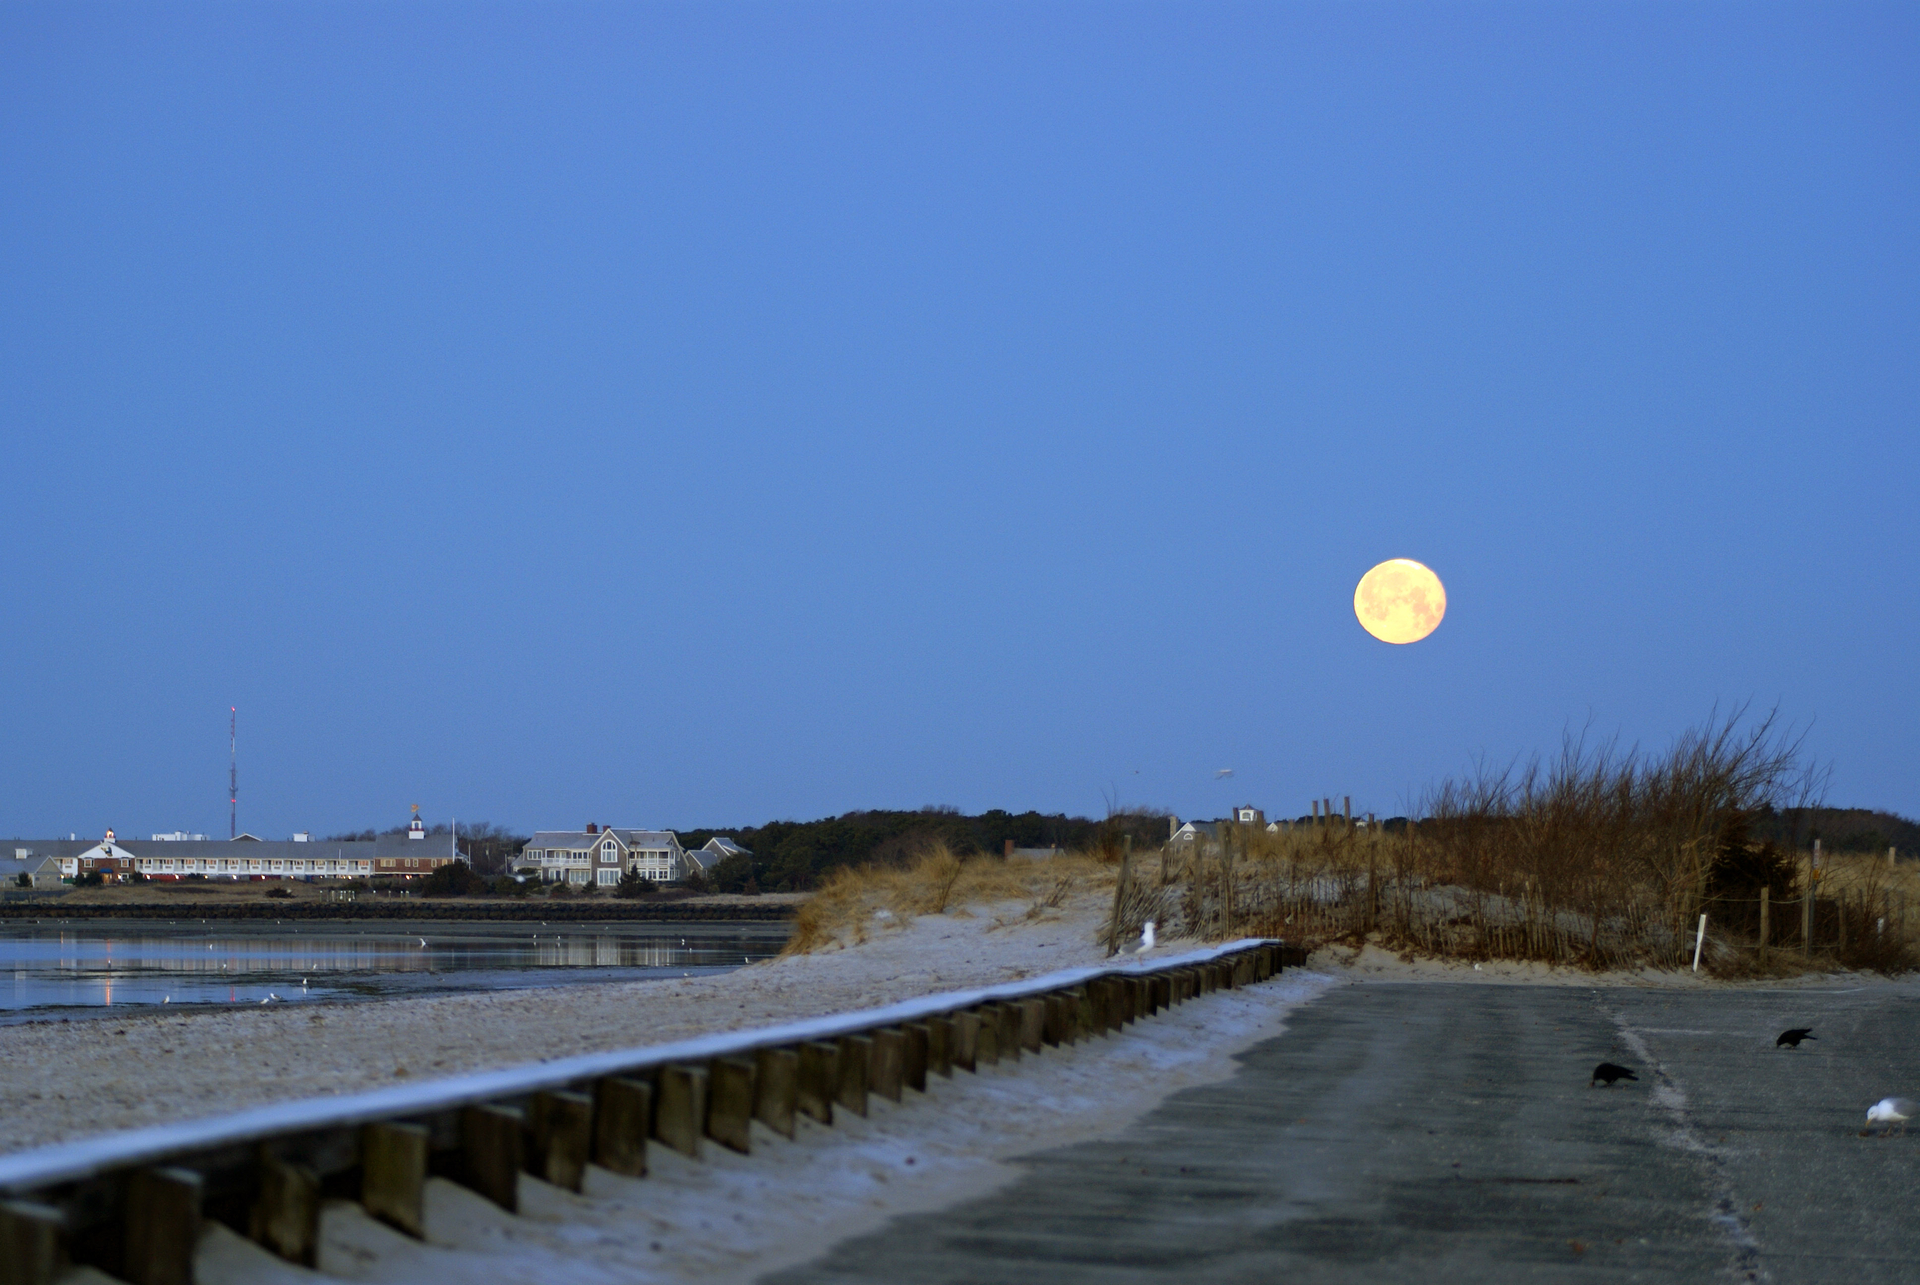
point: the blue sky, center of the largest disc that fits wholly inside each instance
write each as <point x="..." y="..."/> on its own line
<point x="703" y="414"/>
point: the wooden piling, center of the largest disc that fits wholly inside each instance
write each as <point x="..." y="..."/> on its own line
<point x="730" y="1103"/>
<point x="1010" y="1022"/>
<point x="285" y="1215"/>
<point x="162" y="1226"/>
<point x="1766" y="919"/>
<point x="818" y="1080"/>
<point x="622" y="1121"/>
<point x="1033" y="1024"/>
<point x="680" y="1109"/>
<point x="560" y="1128"/>
<point x="966" y="1041"/>
<point x="885" y="1073"/>
<point x="940" y="1046"/>
<point x="986" y="1039"/>
<point x="856" y="1057"/>
<point x="776" y="1081"/>
<point x="29" y="1243"/>
<point x="492" y="1153"/>
<point x="1081" y="1003"/>
<point x="915" y="1056"/>
<point x="1059" y="1024"/>
<point x="393" y="1175"/>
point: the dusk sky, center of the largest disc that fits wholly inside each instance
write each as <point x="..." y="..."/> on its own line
<point x="693" y="415"/>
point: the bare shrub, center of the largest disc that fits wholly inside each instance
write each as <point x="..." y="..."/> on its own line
<point x="1599" y="857"/>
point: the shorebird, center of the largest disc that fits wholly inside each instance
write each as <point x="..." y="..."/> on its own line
<point x="1146" y="936"/>
<point x="1891" y="1111"/>
<point x="1606" y="1073"/>
<point x="1791" y="1039"/>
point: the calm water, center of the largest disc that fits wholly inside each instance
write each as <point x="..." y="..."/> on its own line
<point x="93" y="968"/>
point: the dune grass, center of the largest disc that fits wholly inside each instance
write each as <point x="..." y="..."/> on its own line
<point x="854" y="902"/>
<point x="1599" y="858"/>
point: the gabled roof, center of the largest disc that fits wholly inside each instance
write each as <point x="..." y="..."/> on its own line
<point x="580" y="839"/>
<point x="725" y="847"/>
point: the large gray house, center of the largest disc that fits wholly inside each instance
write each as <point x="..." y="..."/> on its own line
<point x="601" y="856"/>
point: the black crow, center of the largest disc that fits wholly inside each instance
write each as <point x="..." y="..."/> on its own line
<point x="1791" y="1039"/>
<point x="1606" y="1073"/>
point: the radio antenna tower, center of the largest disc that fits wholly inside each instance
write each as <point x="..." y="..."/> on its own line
<point x="233" y="774"/>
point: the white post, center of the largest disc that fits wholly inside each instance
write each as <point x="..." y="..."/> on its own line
<point x="1699" y="940"/>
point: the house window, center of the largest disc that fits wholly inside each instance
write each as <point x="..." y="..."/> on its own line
<point x="608" y="878"/>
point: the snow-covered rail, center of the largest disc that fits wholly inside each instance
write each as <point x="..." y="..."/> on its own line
<point x="133" y="1204"/>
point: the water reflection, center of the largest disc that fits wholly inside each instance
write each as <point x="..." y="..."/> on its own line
<point x="93" y="966"/>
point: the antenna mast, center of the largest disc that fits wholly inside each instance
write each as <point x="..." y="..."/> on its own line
<point x="233" y="774"/>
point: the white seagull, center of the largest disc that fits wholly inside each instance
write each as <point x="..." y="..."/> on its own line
<point x="1888" y="1112"/>
<point x="1223" y="773"/>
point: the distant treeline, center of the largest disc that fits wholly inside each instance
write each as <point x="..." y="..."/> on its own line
<point x="1839" y="829"/>
<point x="791" y="856"/>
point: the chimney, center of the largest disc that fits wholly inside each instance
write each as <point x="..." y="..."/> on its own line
<point x="592" y="828"/>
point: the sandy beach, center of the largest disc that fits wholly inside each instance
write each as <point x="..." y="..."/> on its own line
<point x="67" y="1079"/>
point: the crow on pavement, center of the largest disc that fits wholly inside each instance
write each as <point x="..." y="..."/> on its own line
<point x="1791" y="1039"/>
<point x="1607" y="1072"/>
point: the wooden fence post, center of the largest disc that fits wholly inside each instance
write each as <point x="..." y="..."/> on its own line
<point x="1806" y="909"/>
<point x="1119" y="899"/>
<point x="1766" y="919"/>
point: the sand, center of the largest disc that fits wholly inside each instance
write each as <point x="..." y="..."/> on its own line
<point x="68" y="1079"/>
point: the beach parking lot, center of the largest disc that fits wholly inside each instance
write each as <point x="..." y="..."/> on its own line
<point x="1433" y="1131"/>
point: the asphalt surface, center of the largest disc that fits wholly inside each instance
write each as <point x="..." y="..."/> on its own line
<point x="1446" y="1132"/>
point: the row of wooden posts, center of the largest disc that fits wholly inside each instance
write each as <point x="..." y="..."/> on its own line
<point x="143" y="1224"/>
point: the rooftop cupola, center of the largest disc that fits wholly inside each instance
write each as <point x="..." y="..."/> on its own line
<point x="416" y="830"/>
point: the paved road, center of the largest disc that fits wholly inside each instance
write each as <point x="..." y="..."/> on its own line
<point x="1426" y="1132"/>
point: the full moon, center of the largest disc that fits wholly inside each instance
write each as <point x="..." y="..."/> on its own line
<point x="1400" y="601"/>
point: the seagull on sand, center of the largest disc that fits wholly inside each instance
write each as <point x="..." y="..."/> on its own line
<point x="1791" y="1039"/>
<point x="1606" y="1073"/>
<point x="1891" y="1111"/>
